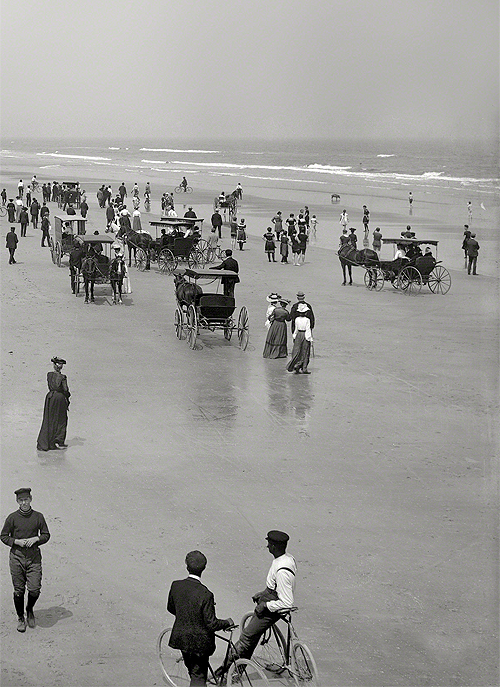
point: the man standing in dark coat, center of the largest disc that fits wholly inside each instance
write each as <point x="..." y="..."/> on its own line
<point x="472" y="253"/>
<point x="294" y="310"/>
<point x="217" y="222"/>
<point x="24" y="531"/>
<point x="195" y="623"/>
<point x="229" y="282"/>
<point x="24" y="220"/>
<point x="34" y="211"/>
<point x="11" y="244"/>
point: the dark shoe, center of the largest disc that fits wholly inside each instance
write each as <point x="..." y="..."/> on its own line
<point x="92" y="300"/>
<point x="297" y="372"/>
<point x="21" y="624"/>
<point x="30" y="617"/>
<point x="306" y="372"/>
<point x="86" y="300"/>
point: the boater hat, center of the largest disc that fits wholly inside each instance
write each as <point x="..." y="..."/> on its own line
<point x="300" y="294"/>
<point x="277" y="537"/>
<point x="58" y="361"/>
<point x="21" y="492"/>
<point x="273" y="297"/>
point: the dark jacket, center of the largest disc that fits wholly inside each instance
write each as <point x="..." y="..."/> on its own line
<point x="294" y="312"/>
<point x="216" y="220"/>
<point x="472" y="248"/>
<point x="24" y="217"/>
<point x="228" y="264"/>
<point x="11" y="240"/>
<point x="195" y="621"/>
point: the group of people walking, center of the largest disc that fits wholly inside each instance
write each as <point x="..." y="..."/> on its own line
<point x="301" y="317"/>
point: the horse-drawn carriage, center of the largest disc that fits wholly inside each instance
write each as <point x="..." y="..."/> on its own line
<point x="410" y="273"/>
<point x="199" y="310"/>
<point x="177" y="247"/>
<point x="66" y="227"/>
<point x="94" y="265"/>
<point x="228" y="204"/>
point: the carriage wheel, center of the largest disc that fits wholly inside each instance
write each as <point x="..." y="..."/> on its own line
<point x="370" y="278"/>
<point x="379" y="279"/>
<point x="203" y="247"/>
<point x="178" y="323"/>
<point x="439" y="280"/>
<point x="141" y="259"/>
<point x="193" y="259"/>
<point x="192" y="326"/>
<point x="58" y="254"/>
<point x="243" y="328"/>
<point x="410" y="281"/>
<point x="167" y="261"/>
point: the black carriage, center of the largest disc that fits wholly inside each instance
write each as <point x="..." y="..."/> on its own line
<point x="210" y="311"/>
<point x="66" y="227"/>
<point x="178" y="248"/>
<point x="95" y="262"/>
<point x="410" y="273"/>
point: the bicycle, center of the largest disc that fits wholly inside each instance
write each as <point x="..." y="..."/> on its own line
<point x="278" y="655"/>
<point x="3" y="211"/>
<point x="242" y="671"/>
<point x="183" y="189"/>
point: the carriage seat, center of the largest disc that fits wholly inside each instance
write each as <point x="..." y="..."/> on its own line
<point x="215" y="306"/>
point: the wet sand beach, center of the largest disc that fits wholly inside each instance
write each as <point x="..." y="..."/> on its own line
<point x="381" y="465"/>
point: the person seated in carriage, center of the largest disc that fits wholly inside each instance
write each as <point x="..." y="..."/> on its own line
<point x="426" y="263"/>
<point x="67" y="234"/>
<point x="413" y="252"/>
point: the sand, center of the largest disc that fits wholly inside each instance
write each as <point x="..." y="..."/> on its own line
<point x="381" y="465"/>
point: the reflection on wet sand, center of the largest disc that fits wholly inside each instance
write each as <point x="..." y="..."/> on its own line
<point x="289" y="396"/>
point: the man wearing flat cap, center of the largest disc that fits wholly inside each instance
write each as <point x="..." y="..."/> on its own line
<point x="277" y="595"/>
<point x="24" y="531"/>
<point x="195" y="621"/>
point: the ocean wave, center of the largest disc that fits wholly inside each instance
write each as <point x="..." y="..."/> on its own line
<point x="383" y="155"/>
<point x="78" y="157"/>
<point x="175" y="150"/>
<point x="110" y="148"/>
<point x="49" y="166"/>
<point x="156" y="162"/>
<point x="230" y="165"/>
<point x="251" y="176"/>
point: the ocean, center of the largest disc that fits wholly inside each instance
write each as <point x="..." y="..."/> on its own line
<point x="417" y="165"/>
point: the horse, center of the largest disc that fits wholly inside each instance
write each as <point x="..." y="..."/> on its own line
<point x="135" y="240"/>
<point x="349" y="257"/>
<point x="186" y="292"/>
<point x="228" y="205"/>
<point x="93" y="267"/>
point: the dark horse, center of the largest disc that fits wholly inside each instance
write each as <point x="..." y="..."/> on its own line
<point x="350" y="257"/>
<point x="95" y="267"/>
<point x="135" y="240"/>
<point x="186" y="292"/>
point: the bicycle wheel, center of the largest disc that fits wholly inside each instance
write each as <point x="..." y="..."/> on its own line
<point x="304" y="666"/>
<point x="177" y="189"/>
<point x="3" y="211"/>
<point x="171" y="662"/>
<point x="189" y="189"/>
<point x="243" y="328"/>
<point x="247" y="673"/>
<point x="270" y="652"/>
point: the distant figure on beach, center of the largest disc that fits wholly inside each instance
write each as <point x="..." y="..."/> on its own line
<point x="122" y="190"/>
<point x="241" y="235"/>
<point x="302" y="241"/>
<point x="284" y="246"/>
<point x="277" y="220"/>
<point x="366" y="221"/>
<point x="84" y="208"/>
<point x="344" y="219"/>
<point x="11" y="211"/>
<point x="20" y="188"/>
<point x="184" y="184"/>
<point x="302" y="324"/>
<point x="136" y="221"/>
<point x="228" y="283"/>
<point x="34" y="211"/>
<point x="344" y="238"/>
<point x="190" y="213"/>
<point x="269" y="245"/>
<point x="467" y="234"/>
<point x="238" y="192"/>
<point x="291" y="222"/>
<point x="11" y="242"/>
<point x="135" y="190"/>
<point x="313" y="225"/>
<point x="307" y="216"/>
<point x="377" y="240"/>
<point x="472" y="253"/>
<point x="147" y="191"/>
<point x="410" y="201"/>
<point x="3" y="195"/>
<point x="233" y="229"/>
<point x="28" y="196"/>
<point x="408" y="234"/>
<point x="24" y="220"/>
<point x="216" y="220"/>
<point x="19" y="207"/>
<point x="353" y="239"/>
<point x="469" y="210"/>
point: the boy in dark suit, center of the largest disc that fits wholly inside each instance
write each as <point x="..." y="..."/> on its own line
<point x="195" y="621"/>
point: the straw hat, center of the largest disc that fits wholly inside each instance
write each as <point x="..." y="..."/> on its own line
<point x="273" y="297"/>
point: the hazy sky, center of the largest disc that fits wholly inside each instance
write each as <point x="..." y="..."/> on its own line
<point x="263" y="68"/>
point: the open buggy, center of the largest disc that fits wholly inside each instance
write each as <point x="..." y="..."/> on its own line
<point x="66" y="227"/>
<point x="177" y="248"/>
<point x="94" y="265"/>
<point x="410" y="273"/>
<point x="198" y="309"/>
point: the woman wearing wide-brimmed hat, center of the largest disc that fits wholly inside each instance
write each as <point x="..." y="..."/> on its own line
<point x="55" y="412"/>
<point x="276" y="340"/>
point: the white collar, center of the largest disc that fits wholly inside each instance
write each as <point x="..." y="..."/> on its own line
<point x="195" y="577"/>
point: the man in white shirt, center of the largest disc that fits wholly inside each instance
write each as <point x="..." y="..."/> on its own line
<point x="277" y="595"/>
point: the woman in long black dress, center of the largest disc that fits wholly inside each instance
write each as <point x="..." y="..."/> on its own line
<point x="276" y="340"/>
<point x="55" y="412"/>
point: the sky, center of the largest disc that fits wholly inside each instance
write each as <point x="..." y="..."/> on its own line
<point x="250" y="68"/>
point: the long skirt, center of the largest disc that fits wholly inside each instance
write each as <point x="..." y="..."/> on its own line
<point x="54" y="423"/>
<point x="300" y="353"/>
<point x="276" y="341"/>
<point x="136" y="223"/>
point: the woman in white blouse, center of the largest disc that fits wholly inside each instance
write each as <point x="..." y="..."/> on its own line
<point x="302" y="339"/>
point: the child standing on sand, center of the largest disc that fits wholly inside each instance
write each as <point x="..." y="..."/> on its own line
<point x="241" y="235"/>
<point x="270" y="246"/>
<point x="314" y="223"/>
